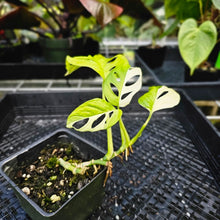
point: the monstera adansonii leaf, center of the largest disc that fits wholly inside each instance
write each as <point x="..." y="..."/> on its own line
<point x="93" y="115"/>
<point x="98" y="63"/>
<point x="158" y="98"/>
<point x="121" y="85"/>
<point x="196" y="43"/>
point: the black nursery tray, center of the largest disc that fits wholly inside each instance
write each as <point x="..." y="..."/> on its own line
<point x="172" y="174"/>
<point x="171" y="73"/>
<point x="41" y="70"/>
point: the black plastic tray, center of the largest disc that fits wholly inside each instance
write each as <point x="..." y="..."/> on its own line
<point x="171" y="73"/>
<point x="41" y="71"/>
<point x="172" y="174"/>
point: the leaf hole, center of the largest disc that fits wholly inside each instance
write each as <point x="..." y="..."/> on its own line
<point x="133" y="80"/>
<point x="162" y="94"/>
<point x="98" y="121"/>
<point x="80" y="123"/>
<point x="112" y="60"/>
<point x="110" y="114"/>
<point x="114" y="89"/>
<point x="117" y="76"/>
<point x="125" y="95"/>
<point x="112" y="68"/>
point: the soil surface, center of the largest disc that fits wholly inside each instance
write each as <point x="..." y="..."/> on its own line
<point x="47" y="183"/>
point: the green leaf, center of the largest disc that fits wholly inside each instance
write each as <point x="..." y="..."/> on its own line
<point x="184" y="9"/>
<point x="196" y="43"/>
<point x="98" y="63"/>
<point x="170" y="29"/>
<point x="93" y="115"/>
<point x="158" y="98"/>
<point x="122" y="84"/>
<point x="216" y="3"/>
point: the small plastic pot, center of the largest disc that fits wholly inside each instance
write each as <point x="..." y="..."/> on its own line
<point x="154" y="57"/>
<point x="82" y="204"/>
<point x="201" y="75"/>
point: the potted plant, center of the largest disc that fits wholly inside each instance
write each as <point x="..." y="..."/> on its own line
<point x="57" y="23"/>
<point x="154" y="30"/>
<point x="120" y="84"/>
<point x="154" y="53"/>
<point x="72" y="23"/>
<point x="196" y="44"/>
<point x="197" y="37"/>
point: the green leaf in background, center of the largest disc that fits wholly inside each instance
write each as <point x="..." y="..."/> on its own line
<point x="170" y="29"/>
<point x="93" y="115"/>
<point x="98" y="63"/>
<point x="182" y="9"/>
<point x="196" y="43"/>
<point x="217" y="63"/>
<point x="158" y="98"/>
<point x="216" y="3"/>
<point x="122" y="84"/>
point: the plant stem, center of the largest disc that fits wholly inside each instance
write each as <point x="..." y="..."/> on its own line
<point x="110" y="151"/>
<point x="201" y="10"/>
<point x="44" y="5"/>
<point x="124" y="138"/>
<point x="80" y="168"/>
<point x="134" y="139"/>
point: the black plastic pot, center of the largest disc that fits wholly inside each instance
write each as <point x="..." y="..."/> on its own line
<point x="201" y="75"/>
<point x="154" y="57"/>
<point x="82" y="203"/>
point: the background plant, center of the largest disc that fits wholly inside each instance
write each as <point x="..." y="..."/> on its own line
<point x="120" y="83"/>
<point x="196" y="43"/>
<point x="199" y="28"/>
<point x="59" y="19"/>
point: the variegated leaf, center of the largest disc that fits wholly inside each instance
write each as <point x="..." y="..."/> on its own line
<point x="98" y="63"/>
<point x="158" y="98"/>
<point x="93" y="115"/>
<point x="121" y="85"/>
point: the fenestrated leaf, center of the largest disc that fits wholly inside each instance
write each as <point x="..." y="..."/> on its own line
<point x="94" y="115"/>
<point x="122" y="84"/>
<point x="98" y="63"/>
<point x="158" y="98"/>
<point x="196" y="43"/>
<point x="103" y="11"/>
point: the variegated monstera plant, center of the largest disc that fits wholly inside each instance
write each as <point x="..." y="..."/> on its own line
<point x="120" y="83"/>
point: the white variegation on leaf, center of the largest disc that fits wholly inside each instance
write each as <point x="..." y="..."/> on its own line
<point x="93" y="115"/>
<point x="120" y="86"/>
<point x="158" y="98"/>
